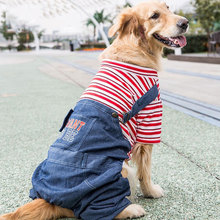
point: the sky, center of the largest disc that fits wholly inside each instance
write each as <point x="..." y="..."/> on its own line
<point x="71" y="21"/>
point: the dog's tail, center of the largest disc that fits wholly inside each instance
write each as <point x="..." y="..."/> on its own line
<point x="38" y="209"/>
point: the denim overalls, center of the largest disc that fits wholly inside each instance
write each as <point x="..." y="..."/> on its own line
<point x="83" y="169"/>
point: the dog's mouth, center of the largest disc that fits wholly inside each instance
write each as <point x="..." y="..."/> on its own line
<point x="179" y="41"/>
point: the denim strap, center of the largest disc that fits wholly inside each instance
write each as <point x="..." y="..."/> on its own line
<point x="66" y="120"/>
<point x="141" y="103"/>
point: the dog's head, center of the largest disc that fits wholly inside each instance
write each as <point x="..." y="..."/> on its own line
<point x="152" y="22"/>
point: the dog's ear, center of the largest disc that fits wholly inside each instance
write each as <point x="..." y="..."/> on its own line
<point x="127" y="21"/>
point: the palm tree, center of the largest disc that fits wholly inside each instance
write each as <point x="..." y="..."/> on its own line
<point x="127" y="4"/>
<point x="100" y="18"/>
<point x="89" y="22"/>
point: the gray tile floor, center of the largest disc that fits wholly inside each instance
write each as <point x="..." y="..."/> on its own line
<point x="36" y="91"/>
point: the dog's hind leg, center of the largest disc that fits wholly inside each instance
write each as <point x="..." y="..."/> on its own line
<point x="38" y="209"/>
<point x="142" y="158"/>
<point x="130" y="173"/>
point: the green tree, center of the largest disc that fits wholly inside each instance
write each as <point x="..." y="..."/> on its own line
<point x="100" y="18"/>
<point x="89" y="22"/>
<point x="208" y="13"/>
<point x="40" y="34"/>
<point x="24" y="37"/>
<point x="5" y="28"/>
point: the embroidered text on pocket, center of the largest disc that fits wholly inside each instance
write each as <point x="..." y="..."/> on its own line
<point x="72" y="128"/>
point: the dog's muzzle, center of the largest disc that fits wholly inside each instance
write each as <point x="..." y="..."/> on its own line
<point x="183" y="24"/>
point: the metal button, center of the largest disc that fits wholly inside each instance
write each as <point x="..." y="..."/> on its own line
<point x="114" y="114"/>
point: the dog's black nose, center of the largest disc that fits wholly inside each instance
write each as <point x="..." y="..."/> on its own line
<point x="183" y="24"/>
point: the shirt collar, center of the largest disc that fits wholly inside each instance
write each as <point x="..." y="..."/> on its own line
<point x="130" y="67"/>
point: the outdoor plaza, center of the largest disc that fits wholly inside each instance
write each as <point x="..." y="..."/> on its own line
<point x="49" y="54"/>
<point x="36" y="91"/>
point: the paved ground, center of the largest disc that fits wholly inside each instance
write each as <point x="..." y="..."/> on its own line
<point x="37" y="91"/>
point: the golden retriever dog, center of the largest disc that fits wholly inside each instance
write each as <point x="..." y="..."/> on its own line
<point x="141" y="34"/>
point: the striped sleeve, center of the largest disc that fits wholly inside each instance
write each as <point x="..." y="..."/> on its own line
<point x="149" y="122"/>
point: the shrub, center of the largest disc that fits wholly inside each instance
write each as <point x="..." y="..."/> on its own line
<point x="167" y="51"/>
<point x="196" y="44"/>
<point x="92" y="45"/>
<point x="21" y="47"/>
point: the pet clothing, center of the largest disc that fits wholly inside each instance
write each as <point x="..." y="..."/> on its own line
<point x="83" y="169"/>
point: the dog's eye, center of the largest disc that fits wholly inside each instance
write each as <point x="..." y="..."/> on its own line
<point x="155" y="16"/>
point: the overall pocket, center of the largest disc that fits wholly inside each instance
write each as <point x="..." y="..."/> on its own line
<point x="76" y="130"/>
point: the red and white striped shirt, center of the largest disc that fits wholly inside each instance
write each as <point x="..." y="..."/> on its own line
<point x="119" y="85"/>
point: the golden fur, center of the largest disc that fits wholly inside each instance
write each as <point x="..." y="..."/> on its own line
<point x="38" y="209"/>
<point x="136" y="45"/>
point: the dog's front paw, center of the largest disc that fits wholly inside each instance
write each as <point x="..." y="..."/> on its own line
<point x="155" y="191"/>
<point x="132" y="211"/>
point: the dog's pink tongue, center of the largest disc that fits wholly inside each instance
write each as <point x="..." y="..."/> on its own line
<point x="182" y="41"/>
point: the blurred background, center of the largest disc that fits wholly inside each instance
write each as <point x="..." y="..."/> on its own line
<point x="49" y="53"/>
<point x="83" y="25"/>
